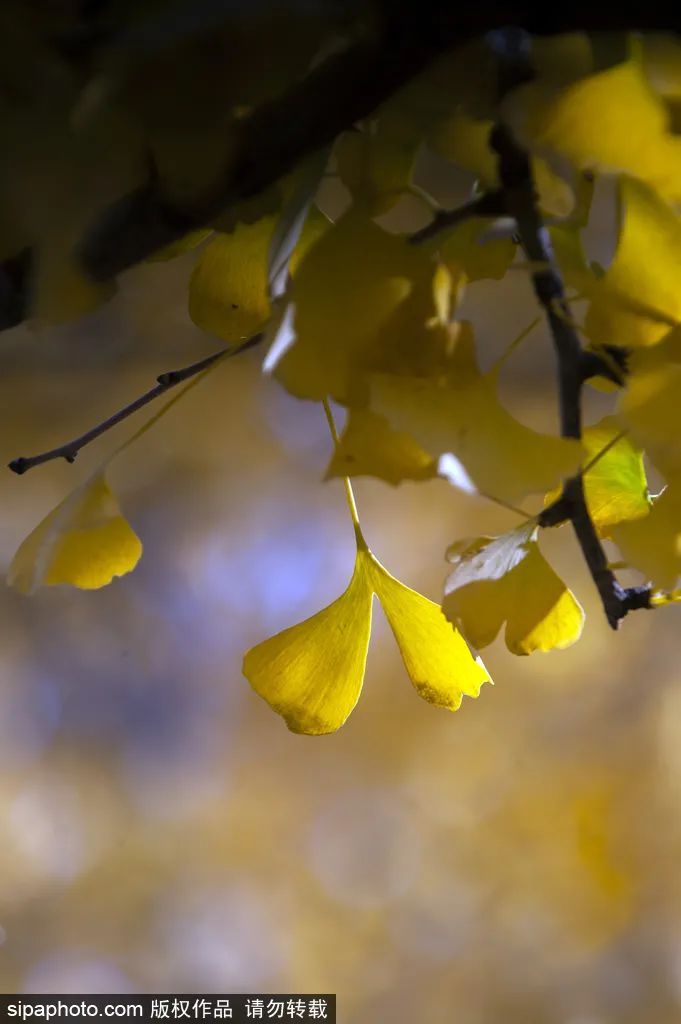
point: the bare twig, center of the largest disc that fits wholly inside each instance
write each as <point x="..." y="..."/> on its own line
<point x="486" y="205"/>
<point x="574" y="365"/>
<point x="491" y="204"/>
<point x="166" y="381"/>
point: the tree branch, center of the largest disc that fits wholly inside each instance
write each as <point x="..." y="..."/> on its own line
<point x="491" y="204"/>
<point x="166" y="381"/>
<point x="486" y="205"/>
<point x="574" y="365"/>
<point x="345" y="88"/>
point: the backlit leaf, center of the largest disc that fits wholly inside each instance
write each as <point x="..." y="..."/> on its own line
<point x="312" y="673"/>
<point x="507" y="579"/>
<point x="85" y="541"/>
<point x="345" y="292"/>
<point x="653" y="545"/>
<point x="463" y="415"/>
<point x="369" y="446"/>
<point x="229" y="293"/>
<point x="615" y="487"/>
<point x="630" y="132"/>
<point x="639" y="298"/>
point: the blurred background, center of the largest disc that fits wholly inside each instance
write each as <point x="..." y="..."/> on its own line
<point x="161" y="829"/>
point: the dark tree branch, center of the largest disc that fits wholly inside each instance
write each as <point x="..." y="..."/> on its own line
<point x="486" y="205"/>
<point x="574" y="366"/>
<point x="491" y="204"/>
<point x="345" y="88"/>
<point x="166" y="381"/>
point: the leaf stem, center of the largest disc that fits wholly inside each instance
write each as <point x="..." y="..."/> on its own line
<point x="349" y="493"/>
<point x="510" y="349"/>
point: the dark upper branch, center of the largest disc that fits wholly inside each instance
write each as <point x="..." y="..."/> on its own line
<point x="573" y="367"/>
<point x="343" y="89"/>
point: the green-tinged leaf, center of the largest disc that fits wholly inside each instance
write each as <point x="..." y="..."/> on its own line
<point x="615" y="486"/>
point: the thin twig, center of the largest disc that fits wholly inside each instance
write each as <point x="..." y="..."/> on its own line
<point x="485" y="205"/>
<point x="491" y="204"/>
<point x="516" y="177"/>
<point x="166" y="381"/>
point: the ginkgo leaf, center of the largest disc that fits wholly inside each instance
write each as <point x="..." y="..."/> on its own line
<point x="312" y="673"/>
<point x="507" y="579"/>
<point x="343" y="295"/>
<point x="615" y="486"/>
<point x="466" y="249"/>
<point x="85" y="541"/>
<point x="638" y="300"/>
<point x="630" y="134"/>
<point x="369" y="446"/>
<point x="376" y="164"/>
<point x="651" y="401"/>
<point x="465" y="141"/>
<point x="653" y="545"/>
<point x="436" y="657"/>
<point x="229" y="291"/>
<point x="464" y="416"/>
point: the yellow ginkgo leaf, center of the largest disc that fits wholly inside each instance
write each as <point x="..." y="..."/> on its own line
<point x="85" y="541"/>
<point x="465" y="140"/>
<point x="343" y="295"/>
<point x="631" y="133"/>
<point x="369" y="446"/>
<point x="650" y="403"/>
<point x="615" y="486"/>
<point x="466" y="249"/>
<point x="436" y="657"/>
<point x="507" y="579"/>
<point x="312" y="673"/>
<point x="228" y="293"/>
<point x="638" y="300"/>
<point x="376" y="164"/>
<point x="229" y="287"/>
<point x="653" y="545"/>
<point x="463" y="415"/>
